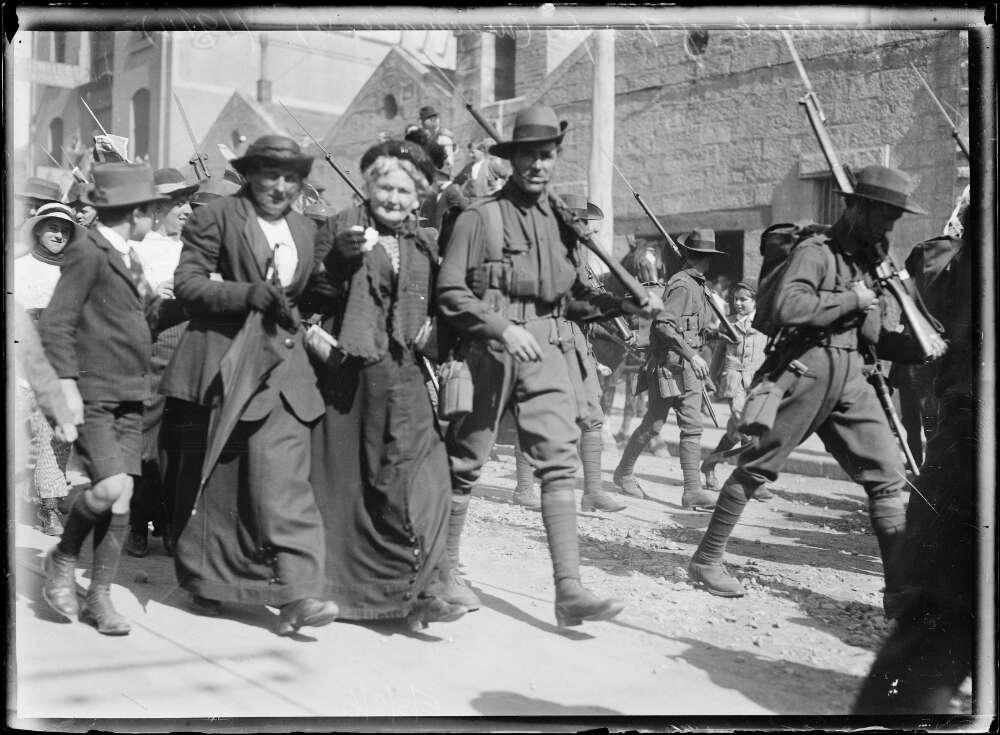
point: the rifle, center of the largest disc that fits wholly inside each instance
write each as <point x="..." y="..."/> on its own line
<point x="875" y="377"/>
<point x="886" y="278"/>
<point x="725" y="326"/>
<point x="620" y="325"/>
<point x="327" y="155"/>
<point x="199" y="158"/>
<point x="954" y="130"/>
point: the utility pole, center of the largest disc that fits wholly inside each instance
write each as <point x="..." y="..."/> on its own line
<point x="602" y="140"/>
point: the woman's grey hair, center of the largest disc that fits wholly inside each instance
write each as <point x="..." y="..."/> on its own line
<point x="384" y="164"/>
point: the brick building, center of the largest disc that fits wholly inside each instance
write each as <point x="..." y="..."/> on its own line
<point x="708" y="128"/>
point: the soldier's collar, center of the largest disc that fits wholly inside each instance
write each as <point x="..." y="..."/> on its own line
<point x="695" y="274"/>
<point x="525" y="201"/>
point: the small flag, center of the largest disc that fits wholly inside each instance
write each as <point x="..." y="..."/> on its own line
<point x="110" y="149"/>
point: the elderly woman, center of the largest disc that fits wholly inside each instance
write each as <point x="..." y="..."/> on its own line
<point x="44" y="237"/>
<point x="379" y="465"/>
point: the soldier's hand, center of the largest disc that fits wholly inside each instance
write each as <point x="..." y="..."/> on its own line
<point x="519" y="342"/>
<point x="867" y="299"/>
<point x="700" y="367"/>
<point x="74" y="401"/>
<point x="653" y="306"/>
<point x="166" y="289"/>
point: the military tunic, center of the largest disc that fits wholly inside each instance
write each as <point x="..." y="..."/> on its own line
<point x="530" y="285"/>
<point x="676" y="336"/>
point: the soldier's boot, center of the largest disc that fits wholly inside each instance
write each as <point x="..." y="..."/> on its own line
<point x="693" y="497"/>
<point x="762" y="493"/>
<point x="49" y="521"/>
<point x="594" y="497"/>
<point x="451" y="586"/>
<point x="59" y="589"/>
<point x="706" y="569"/>
<point x="623" y="476"/>
<point x="525" y="495"/>
<point x="97" y="610"/>
<point x="574" y="603"/>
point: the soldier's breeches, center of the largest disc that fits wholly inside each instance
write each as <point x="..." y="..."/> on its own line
<point x="834" y="401"/>
<point x="544" y="404"/>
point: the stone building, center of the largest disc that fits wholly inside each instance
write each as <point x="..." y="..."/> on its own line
<point x="389" y="101"/>
<point x="708" y="126"/>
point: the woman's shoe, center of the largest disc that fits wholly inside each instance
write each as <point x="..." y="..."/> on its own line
<point x="306" y="612"/>
<point x="575" y="603"/>
<point x="434" y="610"/>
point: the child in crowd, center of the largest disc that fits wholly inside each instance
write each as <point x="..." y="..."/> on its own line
<point x="740" y="363"/>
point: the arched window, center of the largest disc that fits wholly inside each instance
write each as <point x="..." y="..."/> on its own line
<point x="139" y="127"/>
<point x="390" y="108"/>
<point x="56" y="139"/>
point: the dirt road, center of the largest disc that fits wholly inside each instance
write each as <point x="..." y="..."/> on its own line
<point x="798" y="643"/>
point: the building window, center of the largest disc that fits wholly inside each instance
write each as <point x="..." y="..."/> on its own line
<point x="59" y="47"/>
<point x="103" y="53"/>
<point x="389" y="107"/>
<point x="505" y="53"/>
<point x="139" y="127"/>
<point x="829" y="203"/>
<point x="56" y="139"/>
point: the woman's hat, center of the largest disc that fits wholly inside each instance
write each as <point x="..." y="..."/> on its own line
<point x="402" y="149"/>
<point x="886" y="185"/>
<point x="273" y="150"/>
<point x="535" y="124"/>
<point x="582" y="207"/>
<point x="121" y="185"/>
<point x="52" y="210"/>
<point x="171" y="182"/>
<point x="701" y="242"/>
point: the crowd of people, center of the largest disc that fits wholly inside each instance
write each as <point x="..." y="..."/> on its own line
<point x="255" y="378"/>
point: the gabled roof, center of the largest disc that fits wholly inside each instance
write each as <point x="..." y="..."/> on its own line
<point x="421" y="74"/>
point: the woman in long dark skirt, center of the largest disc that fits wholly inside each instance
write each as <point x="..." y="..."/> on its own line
<point x="379" y="465"/>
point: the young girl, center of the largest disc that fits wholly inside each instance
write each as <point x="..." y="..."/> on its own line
<point x="740" y="363"/>
<point x="43" y="239"/>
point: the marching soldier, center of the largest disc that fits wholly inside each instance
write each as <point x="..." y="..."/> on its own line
<point x="675" y="372"/>
<point x="825" y="296"/>
<point x="929" y="654"/>
<point x="508" y="275"/>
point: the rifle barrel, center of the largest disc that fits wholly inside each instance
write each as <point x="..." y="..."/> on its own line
<point x="105" y="132"/>
<point x="326" y="154"/>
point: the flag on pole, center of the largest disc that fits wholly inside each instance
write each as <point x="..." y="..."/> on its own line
<point x="110" y="148"/>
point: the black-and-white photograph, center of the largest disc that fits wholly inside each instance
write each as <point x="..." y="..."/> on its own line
<point x="526" y="368"/>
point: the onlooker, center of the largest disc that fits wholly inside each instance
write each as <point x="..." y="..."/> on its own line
<point x="97" y="332"/>
<point x="36" y="274"/>
<point x="430" y="120"/>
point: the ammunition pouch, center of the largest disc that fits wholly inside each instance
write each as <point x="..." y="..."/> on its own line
<point x="762" y="403"/>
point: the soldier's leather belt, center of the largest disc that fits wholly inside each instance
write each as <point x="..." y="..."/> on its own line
<point x="530" y="310"/>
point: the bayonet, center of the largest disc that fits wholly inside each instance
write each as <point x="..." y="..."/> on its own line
<point x="198" y="159"/>
<point x="954" y="130"/>
<point x="327" y="155"/>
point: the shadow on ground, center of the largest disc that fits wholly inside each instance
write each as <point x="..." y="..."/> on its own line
<point x="784" y="687"/>
<point x="512" y="703"/>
